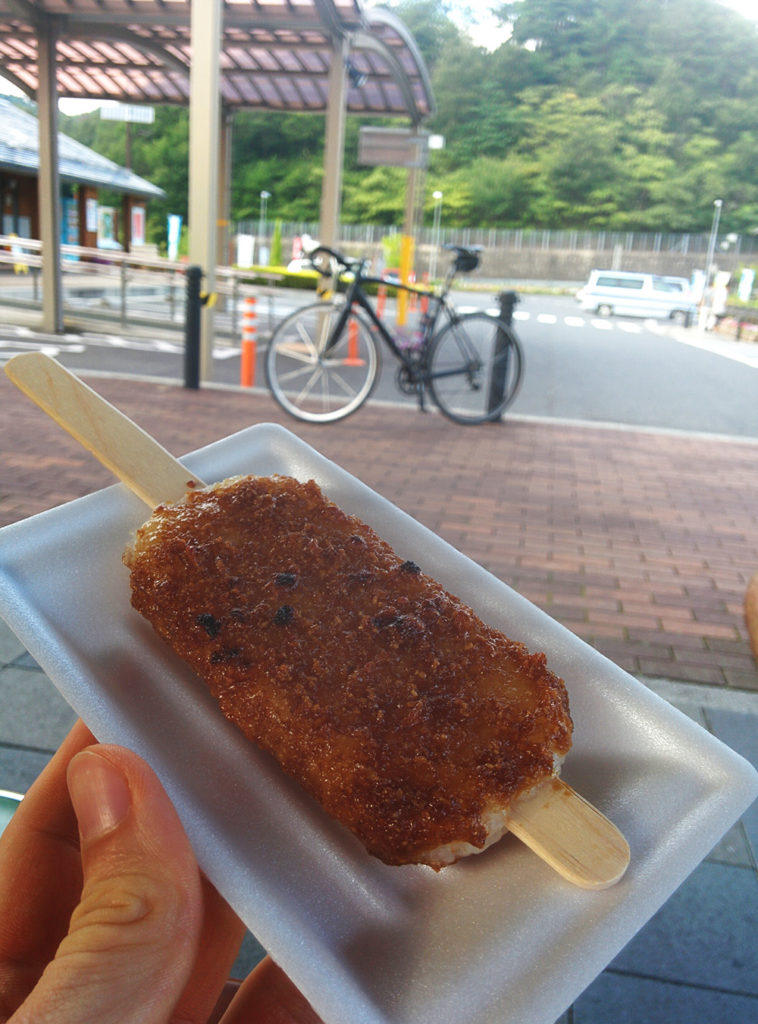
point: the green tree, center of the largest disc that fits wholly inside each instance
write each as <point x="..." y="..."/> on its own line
<point x="430" y="24"/>
<point x="597" y="113"/>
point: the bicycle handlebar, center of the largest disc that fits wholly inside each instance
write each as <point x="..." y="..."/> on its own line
<point x="344" y="261"/>
<point x="466" y="259"/>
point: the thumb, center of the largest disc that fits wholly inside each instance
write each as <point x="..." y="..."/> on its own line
<point x="132" y="939"/>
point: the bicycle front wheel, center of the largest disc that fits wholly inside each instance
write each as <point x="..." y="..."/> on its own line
<point x="317" y="377"/>
<point x="475" y="368"/>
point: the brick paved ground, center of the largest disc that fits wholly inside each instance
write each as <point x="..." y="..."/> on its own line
<point x="640" y="542"/>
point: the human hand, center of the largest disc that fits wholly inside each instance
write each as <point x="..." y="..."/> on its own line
<point x="104" y="914"/>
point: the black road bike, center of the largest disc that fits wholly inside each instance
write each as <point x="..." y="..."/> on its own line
<point x="323" y="361"/>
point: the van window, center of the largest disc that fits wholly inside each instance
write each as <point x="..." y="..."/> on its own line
<point x="662" y="285"/>
<point x="620" y="282"/>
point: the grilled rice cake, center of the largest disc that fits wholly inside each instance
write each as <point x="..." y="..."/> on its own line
<point x="410" y="720"/>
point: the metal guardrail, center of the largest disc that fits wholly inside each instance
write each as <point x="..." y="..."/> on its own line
<point x="121" y="288"/>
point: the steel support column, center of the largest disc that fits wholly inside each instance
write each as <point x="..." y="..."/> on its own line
<point x="334" y="144"/>
<point x="204" y="117"/>
<point x="225" y="189"/>
<point x="48" y="184"/>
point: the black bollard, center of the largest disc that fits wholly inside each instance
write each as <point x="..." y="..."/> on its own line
<point x="192" y="324"/>
<point x="507" y="302"/>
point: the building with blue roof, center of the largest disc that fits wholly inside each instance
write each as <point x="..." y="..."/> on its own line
<point x="83" y="174"/>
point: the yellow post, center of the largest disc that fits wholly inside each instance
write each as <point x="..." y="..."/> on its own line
<point x="406" y="267"/>
<point x="19" y="265"/>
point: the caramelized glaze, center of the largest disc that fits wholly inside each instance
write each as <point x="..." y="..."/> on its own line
<point x="386" y="697"/>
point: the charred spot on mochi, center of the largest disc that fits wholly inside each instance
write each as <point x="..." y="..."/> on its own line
<point x="285" y="579"/>
<point x="409" y="566"/>
<point x="230" y="655"/>
<point x="210" y="624"/>
<point x="386" y="618"/>
<point x="284" y="615"/>
<point x="409" y="627"/>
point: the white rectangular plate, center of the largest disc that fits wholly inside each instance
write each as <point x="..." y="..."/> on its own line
<point x="494" y="937"/>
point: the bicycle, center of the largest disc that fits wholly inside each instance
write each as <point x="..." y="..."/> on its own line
<point x="323" y="360"/>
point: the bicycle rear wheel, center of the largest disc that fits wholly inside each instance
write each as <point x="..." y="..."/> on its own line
<point x="316" y="383"/>
<point x="475" y="368"/>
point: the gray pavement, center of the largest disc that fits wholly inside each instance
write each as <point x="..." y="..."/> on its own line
<point x="641" y="542"/>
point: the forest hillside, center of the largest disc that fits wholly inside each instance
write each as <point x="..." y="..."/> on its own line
<point x="594" y="113"/>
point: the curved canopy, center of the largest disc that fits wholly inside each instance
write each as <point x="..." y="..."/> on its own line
<point x="275" y="54"/>
<point x="287" y="55"/>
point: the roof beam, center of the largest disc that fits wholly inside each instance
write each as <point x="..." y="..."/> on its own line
<point x="122" y="35"/>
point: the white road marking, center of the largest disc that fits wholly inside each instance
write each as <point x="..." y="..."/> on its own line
<point x="8" y="349"/>
<point x="116" y="341"/>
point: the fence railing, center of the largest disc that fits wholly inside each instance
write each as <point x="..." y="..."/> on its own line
<point x="123" y="288"/>
<point x="563" y="240"/>
<point x="127" y="289"/>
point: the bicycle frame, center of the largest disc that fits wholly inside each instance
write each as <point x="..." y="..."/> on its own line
<point x="355" y="296"/>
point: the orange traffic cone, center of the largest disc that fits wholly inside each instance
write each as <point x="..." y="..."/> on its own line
<point x="247" y="363"/>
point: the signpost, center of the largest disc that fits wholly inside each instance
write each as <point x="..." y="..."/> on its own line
<point x="129" y="113"/>
<point x="400" y="147"/>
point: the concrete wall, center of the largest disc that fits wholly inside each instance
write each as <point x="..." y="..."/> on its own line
<point x="575" y="265"/>
<point x="559" y="265"/>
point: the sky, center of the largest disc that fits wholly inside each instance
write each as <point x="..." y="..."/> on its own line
<point x="490" y="34"/>
<point x="486" y="32"/>
<point x="747" y="8"/>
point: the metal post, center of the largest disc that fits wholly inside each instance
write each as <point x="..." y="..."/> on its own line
<point x="49" y="179"/>
<point x="192" y="322"/>
<point x="123" y="281"/>
<point x="507" y="302"/>
<point x="206" y="21"/>
<point x="265" y="196"/>
<point x="705" y="301"/>
<point x="334" y="143"/>
<point x="717" y="204"/>
<point x="437" y="196"/>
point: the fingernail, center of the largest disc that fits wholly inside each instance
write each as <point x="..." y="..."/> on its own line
<point x="99" y="793"/>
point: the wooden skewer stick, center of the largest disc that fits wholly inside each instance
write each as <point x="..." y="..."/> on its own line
<point x="560" y="826"/>
<point x="570" y="835"/>
<point x="125" y="449"/>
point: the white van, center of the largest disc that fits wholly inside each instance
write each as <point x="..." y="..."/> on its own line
<point x="628" y="294"/>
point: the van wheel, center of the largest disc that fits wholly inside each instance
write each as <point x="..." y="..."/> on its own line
<point x="604" y="310"/>
<point x="680" y="317"/>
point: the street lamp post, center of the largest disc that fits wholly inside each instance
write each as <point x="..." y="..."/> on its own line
<point x="712" y="240"/>
<point x="265" y="196"/>
<point x="437" y="196"/>
<point x="705" y="304"/>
